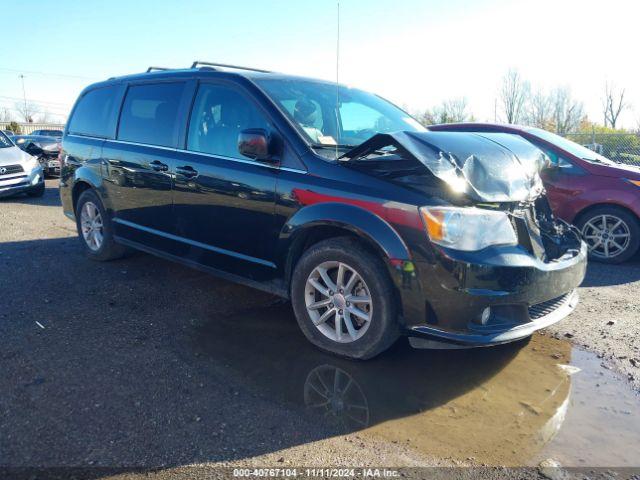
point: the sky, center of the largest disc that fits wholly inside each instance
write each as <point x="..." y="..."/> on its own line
<point x="416" y="53"/>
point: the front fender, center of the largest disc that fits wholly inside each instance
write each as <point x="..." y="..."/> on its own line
<point x="618" y="197"/>
<point x="371" y="228"/>
<point x="357" y="220"/>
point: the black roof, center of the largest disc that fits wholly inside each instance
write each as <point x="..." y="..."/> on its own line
<point x="206" y="71"/>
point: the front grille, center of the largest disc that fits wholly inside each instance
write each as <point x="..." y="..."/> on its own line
<point x="10" y="169"/>
<point x="545" y="308"/>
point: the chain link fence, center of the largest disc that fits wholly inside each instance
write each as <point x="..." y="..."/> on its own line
<point x="27" y="128"/>
<point x="619" y="147"/>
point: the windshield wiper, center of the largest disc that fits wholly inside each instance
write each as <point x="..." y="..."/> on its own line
<point x="332" y="147"/>
<point x="602" y="162"/>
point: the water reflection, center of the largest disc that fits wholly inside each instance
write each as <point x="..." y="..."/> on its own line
<point x="499" y="405"/>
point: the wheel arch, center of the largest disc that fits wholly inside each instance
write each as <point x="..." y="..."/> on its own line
<point x="585" y="211"/>
<point x="318" y="222"/>
<point x="85" y="178"/>
<point x="78" y="188"/>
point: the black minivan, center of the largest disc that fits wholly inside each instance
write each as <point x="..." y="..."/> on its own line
<point x="329" y="196"/>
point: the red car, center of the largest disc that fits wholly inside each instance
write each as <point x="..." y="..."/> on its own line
<point x="600" y="197"/>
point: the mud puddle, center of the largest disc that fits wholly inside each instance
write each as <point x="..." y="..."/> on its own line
<point x="549" y="401"/>
<point x="510" y="405"/>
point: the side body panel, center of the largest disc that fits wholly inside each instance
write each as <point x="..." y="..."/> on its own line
<point x="225" y="212"/>
<point x="82" y="164"/>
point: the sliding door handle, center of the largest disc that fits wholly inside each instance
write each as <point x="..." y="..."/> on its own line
<point x="159" y="166"/>
<point x="187" y="171"/>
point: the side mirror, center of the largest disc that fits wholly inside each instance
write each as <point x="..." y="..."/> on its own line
<point x="256" y="143"/>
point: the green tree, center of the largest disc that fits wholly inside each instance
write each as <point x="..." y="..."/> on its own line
<point x="14" y="127"/>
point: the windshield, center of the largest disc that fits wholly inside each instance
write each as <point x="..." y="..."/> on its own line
<point x="567" y="145"/>
<point x="327" y="115"/>
<point x="4" y="141"/>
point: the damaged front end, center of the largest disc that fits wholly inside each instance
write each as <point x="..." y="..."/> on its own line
<point x="487" y="172"/>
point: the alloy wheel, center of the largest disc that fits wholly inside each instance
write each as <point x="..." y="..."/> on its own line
<point x="607" y="236"/>
<point x="338" y="302"/>
<point x="92" y="226"/>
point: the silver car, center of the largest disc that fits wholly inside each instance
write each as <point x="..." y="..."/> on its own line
<point x="20" y="172"/>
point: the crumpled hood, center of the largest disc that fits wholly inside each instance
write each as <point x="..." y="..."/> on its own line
<point x="495" y="167"/>
<point x="12" y="156"/>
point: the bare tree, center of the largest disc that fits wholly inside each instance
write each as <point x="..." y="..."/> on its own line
<point x="513" y="96"/>
<point x="567" y="112"/>
<point x="44" y="117"/>
<point x="450" y="111"/>
<point x="27" y="111"/>
<point x="5" y="115"/>
<point x="613" y="105"/>
<point x="540" y="110"/>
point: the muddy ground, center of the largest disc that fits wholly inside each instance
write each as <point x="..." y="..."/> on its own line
<point x="144" y="364"/>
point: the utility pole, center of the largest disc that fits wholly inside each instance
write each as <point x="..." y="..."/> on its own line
<point x="24" y="97"/>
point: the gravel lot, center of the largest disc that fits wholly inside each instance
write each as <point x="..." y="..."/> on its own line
<point x="144" y="363"/>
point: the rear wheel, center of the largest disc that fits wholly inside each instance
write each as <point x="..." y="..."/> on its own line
<point x="343" y="299"/>
<point x="95" y="229"/>
<point x="611" y="233"/>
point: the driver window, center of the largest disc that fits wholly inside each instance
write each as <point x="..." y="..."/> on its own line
<point x="219" y="114"/>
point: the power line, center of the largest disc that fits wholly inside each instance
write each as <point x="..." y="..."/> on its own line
<point x="62" y="104"/>
<point x="8" y="71"/>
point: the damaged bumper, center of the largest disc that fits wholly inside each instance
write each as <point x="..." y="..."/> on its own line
<point x="494" y="297"/>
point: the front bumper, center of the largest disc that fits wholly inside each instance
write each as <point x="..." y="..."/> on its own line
<point x="50" y="163"/>
<point x="518" y="294"/>
<point x="22" y="182"/>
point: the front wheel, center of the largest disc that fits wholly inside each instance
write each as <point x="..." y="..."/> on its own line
<point x="611" y="233"/>
<point x="344" y="300"/>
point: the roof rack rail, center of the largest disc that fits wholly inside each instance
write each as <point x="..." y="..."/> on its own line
<point x="151" y="69"/>
<point x="223" y="65"/>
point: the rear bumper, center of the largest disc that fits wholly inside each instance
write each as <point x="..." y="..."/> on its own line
<point x="517" y="293"/>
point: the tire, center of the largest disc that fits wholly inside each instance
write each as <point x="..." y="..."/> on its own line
<point x="366" y="338"/>
<point x="614" y="247"/>
<point x="106" y="249"/>
<point x="37" y="191"/>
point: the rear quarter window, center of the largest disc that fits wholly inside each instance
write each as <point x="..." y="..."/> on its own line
<point x="150" y="114"/>
<point x="94" y="115"/>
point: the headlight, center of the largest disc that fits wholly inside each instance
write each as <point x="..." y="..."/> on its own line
<point x="468" y="229"/>
<point x="635" y="182"/>
<point x="31" y="162"/>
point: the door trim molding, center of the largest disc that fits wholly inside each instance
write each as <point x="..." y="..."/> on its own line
<point x="274" y="287"/>
<point x="195" y="243"/>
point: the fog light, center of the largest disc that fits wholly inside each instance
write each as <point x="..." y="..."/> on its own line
<point x="36" y="179"/>
<point x="484" y="318"/>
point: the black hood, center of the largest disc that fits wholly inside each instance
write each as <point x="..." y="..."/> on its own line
<point x="486" y="167"/>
